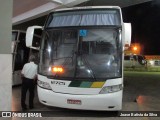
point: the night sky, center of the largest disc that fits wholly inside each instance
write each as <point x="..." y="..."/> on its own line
<point x="145" y="20"/>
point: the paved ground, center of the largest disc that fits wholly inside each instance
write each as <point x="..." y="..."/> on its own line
<point x="141" y="93"/>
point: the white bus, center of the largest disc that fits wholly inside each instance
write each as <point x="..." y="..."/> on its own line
<point x="134" y="61"/>
<point x="20" y="54"/>
<point x="81" y="58"/>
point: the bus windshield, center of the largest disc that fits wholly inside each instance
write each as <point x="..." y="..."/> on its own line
<point x="81" y="54"/>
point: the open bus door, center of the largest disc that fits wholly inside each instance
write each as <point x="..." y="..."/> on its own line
<point x="21" y="53"/>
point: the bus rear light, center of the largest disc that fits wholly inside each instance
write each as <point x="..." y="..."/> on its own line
<point x="57" y="69"/>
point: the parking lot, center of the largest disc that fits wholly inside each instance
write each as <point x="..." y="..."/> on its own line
<point x="141" y="93"/>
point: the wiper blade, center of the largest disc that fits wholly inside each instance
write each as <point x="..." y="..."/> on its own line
<point x="88" y="65"/>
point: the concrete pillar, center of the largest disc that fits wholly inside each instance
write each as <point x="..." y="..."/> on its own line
<point x="5" y="54"/>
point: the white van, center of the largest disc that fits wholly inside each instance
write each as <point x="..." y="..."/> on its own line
<point x="134" y="61"/>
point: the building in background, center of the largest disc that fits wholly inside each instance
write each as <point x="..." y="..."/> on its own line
<point x="135" y="48"/>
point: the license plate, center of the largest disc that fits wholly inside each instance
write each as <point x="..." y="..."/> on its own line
<point x="71" y="101"/>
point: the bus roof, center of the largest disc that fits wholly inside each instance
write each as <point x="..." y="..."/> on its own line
<point x="86" y="8"/>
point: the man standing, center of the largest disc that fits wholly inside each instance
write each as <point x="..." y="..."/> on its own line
<point x="29" y="75"/>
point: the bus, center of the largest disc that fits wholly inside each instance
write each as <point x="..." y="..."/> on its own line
<point x="81" y="58"/>
<point x="20" y="54"/>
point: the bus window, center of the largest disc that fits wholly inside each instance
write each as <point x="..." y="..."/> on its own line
<point x="22" y="53"/>
<point x="14" y="36"/>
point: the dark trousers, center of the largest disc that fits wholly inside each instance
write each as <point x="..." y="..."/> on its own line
<point x="27" y="84"/>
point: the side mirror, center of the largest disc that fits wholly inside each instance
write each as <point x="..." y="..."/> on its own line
<point x="33" y="40"/>
<point x="126" y="35"/>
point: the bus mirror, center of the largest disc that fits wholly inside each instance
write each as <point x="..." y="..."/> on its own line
<point x="33" y="40"/>
<point x="127" y="35"/>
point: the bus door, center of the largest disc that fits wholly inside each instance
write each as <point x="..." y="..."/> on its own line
<point x="20" y="57"/>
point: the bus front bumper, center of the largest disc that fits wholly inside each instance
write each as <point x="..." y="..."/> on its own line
<point x="108" y="102"/>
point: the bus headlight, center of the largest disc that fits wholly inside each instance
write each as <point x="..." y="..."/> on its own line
<point x="111" y="89"/>
<point x="44" y="85"/>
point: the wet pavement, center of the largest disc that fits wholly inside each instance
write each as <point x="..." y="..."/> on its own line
<point x="141" y="93"/>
